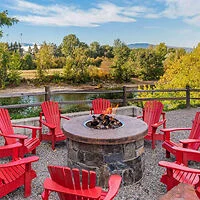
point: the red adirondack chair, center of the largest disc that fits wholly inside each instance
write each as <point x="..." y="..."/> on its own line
<point x="16" y="173"/>
<point x="152" y="112"/>
<point x="70" y="185"/>
<point x="193" y="141"/>
<point x="177" y="172"/>
<point x="101" y="106"/>
<point x="52" y="116"/>
<point x="7" y="131"/>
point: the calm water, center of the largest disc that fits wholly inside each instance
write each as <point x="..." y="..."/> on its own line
<point x="34" y="111"/>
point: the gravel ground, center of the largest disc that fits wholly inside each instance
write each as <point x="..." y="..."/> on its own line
<point x="149" y="188"/>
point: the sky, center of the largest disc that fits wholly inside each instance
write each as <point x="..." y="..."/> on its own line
<point x="174" y="22"/>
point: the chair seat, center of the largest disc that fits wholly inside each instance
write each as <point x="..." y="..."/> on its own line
<point x="47" y="136"/>
<point x="31" y="143"/>
<point x="186" y="177"/>
<point x="10" y="174"/>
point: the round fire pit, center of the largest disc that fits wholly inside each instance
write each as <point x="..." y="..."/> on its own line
<point x="103" y="122"/>
<point x="107" y="151"/>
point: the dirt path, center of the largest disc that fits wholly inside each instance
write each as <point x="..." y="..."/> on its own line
<point x="23" y="88"/>
<point x="29" y="88"/>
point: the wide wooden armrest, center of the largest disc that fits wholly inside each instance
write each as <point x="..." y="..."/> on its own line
<point x="51" y="185"/>
<point x="174" y="129"/>
<point x="156" y="125"/>
<point x="64" y="117"/>
<point x="18" y="136"/>
<point x="20" y="162"/>
<point x="113" y="184"/>
<point x="178" y="167"/>
<point x="186" y="150"/>
<point x="183" y="155"/>
<point x="10" y="146"/>
<point x="24" y="126"/>
<point x="51" y="126"/>
<point x="187" y="141"/>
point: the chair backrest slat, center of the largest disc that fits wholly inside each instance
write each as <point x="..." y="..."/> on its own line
<point x="92" y="179"/>
<point x="76" y="175"/>
<point x="51" y="113"/>
<point x="85" y="177"/>
<point x="6" y="125"/>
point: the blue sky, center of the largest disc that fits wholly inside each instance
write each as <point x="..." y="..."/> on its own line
<point x="175" y="22"/>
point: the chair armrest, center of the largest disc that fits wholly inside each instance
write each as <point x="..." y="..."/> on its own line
<point x="156" y="125"/>
<point x="18" y="136"/>
<point x="20" y="162"/>
<point x="176" y="166"/>
<point x="113" y="184"/>
<point x="64" y="117"/>
<point x="188" y="141"/>
<point x="183" y="155"/>
<point x="174" y="129"/>
<point x="10" y="146"/>
<point x="185" y="150"/>
<point x="24" y="126"/>
<point x="51" y="185"/>
<point x="48" y="125"/>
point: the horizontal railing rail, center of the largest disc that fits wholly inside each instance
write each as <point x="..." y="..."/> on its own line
<point x="47" y="93"/>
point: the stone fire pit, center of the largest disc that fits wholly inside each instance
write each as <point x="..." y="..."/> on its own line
<point x="107" y="151"/>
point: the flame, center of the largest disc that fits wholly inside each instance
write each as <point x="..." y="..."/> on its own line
<point x="111" y="110"/>
<point x="114" y="109"/>
<point x="107" y="111"/>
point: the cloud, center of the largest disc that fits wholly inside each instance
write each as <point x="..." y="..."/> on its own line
<point x="187" y="10"/>
<point x="63" y="15"/>
<point x="71" y="15"/>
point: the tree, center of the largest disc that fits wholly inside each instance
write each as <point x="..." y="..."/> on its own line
<point x="179" y="73"/>
<point x="69" y="44"/>
<point x="14" y="66"/>
<point x="4" y="60"/>
<point x="35" y="49"/>
<point x="107" y="51"/>
<point x="121" y="54"/>
<point x="6" y="21"/>
<point x="44" y="60"/>
<point x="28" y="62"/>
<point x="95" y="50"/>
<point x="183" y="71"/>
<point x="76" y="69"/>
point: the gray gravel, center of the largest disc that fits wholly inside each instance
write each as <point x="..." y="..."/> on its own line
<point x="149" y="188"/>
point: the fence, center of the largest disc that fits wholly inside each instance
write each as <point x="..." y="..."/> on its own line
<point x="123" y="100"/>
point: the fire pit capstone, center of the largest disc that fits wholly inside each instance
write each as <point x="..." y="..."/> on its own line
<point x="107" y="151"/>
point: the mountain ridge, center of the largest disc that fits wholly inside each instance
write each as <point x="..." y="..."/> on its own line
<point x="144" y="45"/>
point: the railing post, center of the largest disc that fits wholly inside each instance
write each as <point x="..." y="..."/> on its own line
<point x="124" y="96"/>
<point x="187" y="96"/>
<point x="47" y="93"/>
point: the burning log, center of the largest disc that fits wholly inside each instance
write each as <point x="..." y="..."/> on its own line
<point x="104" y="122"/>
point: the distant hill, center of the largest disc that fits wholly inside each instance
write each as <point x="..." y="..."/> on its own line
<point x="146" y="45"/>
<point x="27" y="44"/>
<point x="139" y="45"/>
